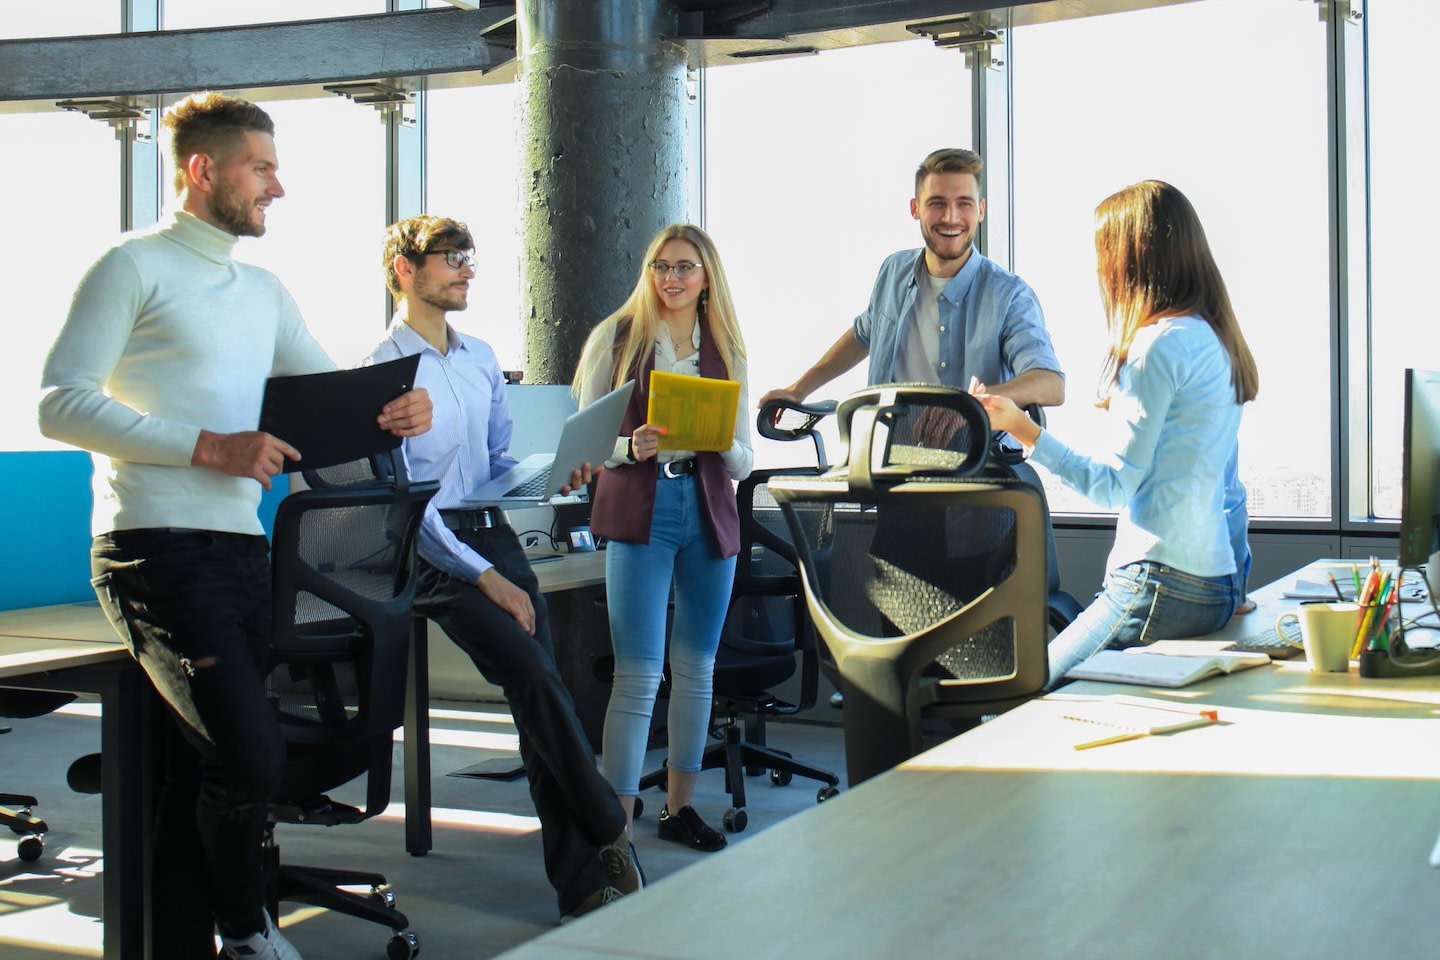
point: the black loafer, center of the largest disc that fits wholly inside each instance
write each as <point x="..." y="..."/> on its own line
<point x="685" y="826"/>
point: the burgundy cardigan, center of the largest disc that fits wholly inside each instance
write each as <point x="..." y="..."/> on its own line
<point x="625" y="495"/>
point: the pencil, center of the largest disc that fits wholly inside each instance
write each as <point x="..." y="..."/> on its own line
<point x="1335" y="586"/>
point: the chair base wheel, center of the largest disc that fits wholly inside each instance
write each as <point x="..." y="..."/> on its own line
<point x="735" y="819"/>
<point x="402" y="946"/>
<point x="826" y="792"/>
<point x="29" y="848"/>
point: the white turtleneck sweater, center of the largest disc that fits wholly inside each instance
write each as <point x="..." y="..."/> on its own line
<point x="168" y="335"/>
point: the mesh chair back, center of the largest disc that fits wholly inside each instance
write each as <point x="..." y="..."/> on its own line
<point x="344" y="577"/>
<point x="925" y="575"/>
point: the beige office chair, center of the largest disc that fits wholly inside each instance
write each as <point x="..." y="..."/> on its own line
<point x="924" y="573"/>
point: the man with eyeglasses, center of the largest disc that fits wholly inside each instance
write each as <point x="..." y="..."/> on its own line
<point x="475" y="581"/>
<point x="159" y="370"/>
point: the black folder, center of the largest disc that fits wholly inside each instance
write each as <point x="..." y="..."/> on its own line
<point x="330" y="417"/>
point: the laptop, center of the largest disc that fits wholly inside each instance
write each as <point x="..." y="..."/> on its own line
<point x="587" y="437"/>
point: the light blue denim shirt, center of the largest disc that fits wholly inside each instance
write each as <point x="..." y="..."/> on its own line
<point x="469" y="434"/>
<point x="991" y="325"/>
<point x="1172" y="469"/>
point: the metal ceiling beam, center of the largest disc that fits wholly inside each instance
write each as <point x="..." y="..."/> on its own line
<point x="407" y="44"/>
<point x="740" y="20"/>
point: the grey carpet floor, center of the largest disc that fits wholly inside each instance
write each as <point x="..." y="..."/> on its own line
<point x="481" y="891"/>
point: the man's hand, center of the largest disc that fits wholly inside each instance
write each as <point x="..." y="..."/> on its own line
<point x="252" y="454"/>
<point x="580" y="478"/>
<point x="408" y="415"/>
<point x="784" y="395"/>
<point x="509" y="598"/>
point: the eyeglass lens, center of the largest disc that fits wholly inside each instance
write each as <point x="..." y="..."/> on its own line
<point x="681" y="270"/>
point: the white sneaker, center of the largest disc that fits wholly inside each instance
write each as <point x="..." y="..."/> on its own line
<point x="268" y="944"/>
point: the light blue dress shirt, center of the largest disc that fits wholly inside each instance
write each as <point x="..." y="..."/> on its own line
<point x="991" y="325"/>
<point x="468" y="439"/>
<point x="1171" y="468"/>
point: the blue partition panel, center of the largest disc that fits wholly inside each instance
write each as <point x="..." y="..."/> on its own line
<point x="45" y="516"/>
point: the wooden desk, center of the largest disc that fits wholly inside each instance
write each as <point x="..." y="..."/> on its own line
<point x="1299" y="826"/>
<point x="71" y="648"/>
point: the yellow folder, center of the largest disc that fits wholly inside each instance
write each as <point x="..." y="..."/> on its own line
<point x="697" y="413"/>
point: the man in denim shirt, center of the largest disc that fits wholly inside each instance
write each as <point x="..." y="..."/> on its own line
<point x="945" y="313"/>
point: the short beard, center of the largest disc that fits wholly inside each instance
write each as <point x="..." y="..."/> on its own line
<point x="233" y="213"/>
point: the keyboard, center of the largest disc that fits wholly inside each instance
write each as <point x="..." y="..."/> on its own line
<point x="1269" y="643"/>
<point x="533" y="487"/>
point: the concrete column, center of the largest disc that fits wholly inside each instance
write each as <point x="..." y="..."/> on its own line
<point x="602" y="117"/>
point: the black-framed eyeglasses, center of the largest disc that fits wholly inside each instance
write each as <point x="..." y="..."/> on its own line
<point x="454" y="259"/>
<point x="681" y="270"/>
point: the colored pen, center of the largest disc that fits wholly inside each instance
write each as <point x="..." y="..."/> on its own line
<point x="1335" y="586"/>
<point x="1355" y="572"/>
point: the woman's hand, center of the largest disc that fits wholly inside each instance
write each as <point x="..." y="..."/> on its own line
<point x="645" y="441"/>
<point x="1005" y="415"/>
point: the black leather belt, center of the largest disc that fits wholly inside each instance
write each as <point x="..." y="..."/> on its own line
<point x="677" y="468"/>
<point x="486" y="518"/>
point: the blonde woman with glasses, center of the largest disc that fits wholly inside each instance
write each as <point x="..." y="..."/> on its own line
<point x="670" y="517"/>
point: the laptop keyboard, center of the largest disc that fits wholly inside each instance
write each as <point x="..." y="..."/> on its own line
<point x="533" y="487"/>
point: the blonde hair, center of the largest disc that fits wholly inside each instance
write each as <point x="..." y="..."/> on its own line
<point x="1154" y="262"/>
<point x="639" y="316"/>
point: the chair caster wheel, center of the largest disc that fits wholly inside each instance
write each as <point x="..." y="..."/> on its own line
<point x="383" y="896"/>
<point x="826" y="792"/>
<point x="403" y="946"/>
<point x="638" y="809"/>
<point x="781" y="778"/>
<point x="735" y="819"/>
<point x="29" y="848"/>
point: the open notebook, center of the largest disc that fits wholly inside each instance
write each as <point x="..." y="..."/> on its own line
<point x="588" y="437"/>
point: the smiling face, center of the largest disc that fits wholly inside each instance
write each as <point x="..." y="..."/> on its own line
<point x="242" y="186"/>
<point x="950" y="212"/>
<point x="678" y="295"/>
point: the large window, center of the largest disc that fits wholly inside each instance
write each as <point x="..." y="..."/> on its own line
<point x="62" y="210"/>
<point x="809" y="170"/>
<point x="187" y="14"/>
<point x="1246" y="142"/>
<point x="471" y="174"/>
<point x="1403" y="208"/>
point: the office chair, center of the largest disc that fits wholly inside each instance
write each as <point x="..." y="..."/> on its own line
<point x="913" y="554"/>
<point x="764" y="631"/>
<point x="22" y="822"/>
<point x="344" y="573"/>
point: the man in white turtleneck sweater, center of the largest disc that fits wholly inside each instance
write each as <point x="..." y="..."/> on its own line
<point x="159" y="371"/>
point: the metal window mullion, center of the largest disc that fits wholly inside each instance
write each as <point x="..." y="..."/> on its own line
<point x="992" y="130"/>
<point x="139" y="150"/>
<point x="1352" y="458"/>
<point x="405" y="180"/>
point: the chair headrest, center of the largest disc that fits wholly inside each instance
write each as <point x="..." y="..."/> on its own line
<point x="896" y="432"/>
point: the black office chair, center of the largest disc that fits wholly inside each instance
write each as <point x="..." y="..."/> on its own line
<point x="344" y="578"/>
<point x="31" y="830"/>
<point x="766" y="629"/>
<point x="911" y="555"/>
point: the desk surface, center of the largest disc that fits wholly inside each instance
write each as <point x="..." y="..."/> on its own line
<point x="1299" y="826"/>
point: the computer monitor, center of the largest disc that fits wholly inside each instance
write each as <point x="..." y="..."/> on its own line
<point x="1420" y="477"/>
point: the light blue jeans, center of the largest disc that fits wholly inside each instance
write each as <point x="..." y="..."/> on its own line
<point x="1139" y="604"/>
<point x="682" y="549"/>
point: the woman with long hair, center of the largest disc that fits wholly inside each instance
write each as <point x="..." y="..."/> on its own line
<point x="669" y="516"/>
<point x="1175" y="376"/>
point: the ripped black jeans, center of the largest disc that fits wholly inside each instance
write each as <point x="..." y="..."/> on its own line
<point x="194" y="607"/>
